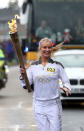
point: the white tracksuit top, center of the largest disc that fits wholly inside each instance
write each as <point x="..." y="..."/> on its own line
<point x="46" y="79"/>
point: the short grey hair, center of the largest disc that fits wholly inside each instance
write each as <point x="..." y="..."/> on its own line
<point x="44" y="40"/>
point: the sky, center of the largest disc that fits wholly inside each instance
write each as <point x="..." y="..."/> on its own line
<point x="4" y="3"/>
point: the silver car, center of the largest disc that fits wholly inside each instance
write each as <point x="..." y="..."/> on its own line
<point x="73" y="61"/>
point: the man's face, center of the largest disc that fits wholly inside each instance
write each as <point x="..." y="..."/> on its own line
<point x="43" y="24"/>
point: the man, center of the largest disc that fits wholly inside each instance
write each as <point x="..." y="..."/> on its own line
<point x="2" y="58"/>
<point x="43" y="31"/>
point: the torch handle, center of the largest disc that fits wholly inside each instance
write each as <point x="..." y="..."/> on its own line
<point x="16" y="44"/>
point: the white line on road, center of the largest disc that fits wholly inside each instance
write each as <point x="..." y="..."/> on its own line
<point x="33" y="125"/>
<point x="20" y="104"/>
<point x="15" y="108"/>
<point x="17" y="127"/>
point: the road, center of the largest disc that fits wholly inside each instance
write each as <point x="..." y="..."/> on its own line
<point x="16" y="112"/>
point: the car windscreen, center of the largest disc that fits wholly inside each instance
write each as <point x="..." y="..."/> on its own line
<point x="75" y="60"/>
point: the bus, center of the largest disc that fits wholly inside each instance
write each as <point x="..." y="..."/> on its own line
<point x="60" y="15"/>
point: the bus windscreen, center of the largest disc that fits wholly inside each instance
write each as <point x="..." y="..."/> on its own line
<point x="61" y="15"/>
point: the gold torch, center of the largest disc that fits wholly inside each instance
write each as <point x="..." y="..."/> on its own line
<point x="15" y="41"/>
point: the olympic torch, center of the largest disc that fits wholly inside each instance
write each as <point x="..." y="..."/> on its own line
<point x="16" y="44"/>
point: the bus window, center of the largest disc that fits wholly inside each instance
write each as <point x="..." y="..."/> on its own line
<point x="59" y="15"/>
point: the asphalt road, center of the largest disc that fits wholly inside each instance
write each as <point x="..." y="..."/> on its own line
<point x="16" y="112"/>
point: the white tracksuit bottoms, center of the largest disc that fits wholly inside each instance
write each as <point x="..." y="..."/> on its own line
<point x="48" y="115"/>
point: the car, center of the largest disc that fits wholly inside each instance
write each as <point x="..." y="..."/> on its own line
<point x="73" y="62"/>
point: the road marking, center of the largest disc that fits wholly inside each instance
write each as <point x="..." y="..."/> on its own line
<point x="20" y="104"/>
<point x="17" y="127"/>
<point x="26" y="108"/>
<point x="33" y="125"/>
<point x="15" y="108"/>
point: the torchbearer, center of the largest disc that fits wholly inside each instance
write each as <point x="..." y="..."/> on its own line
<point x="16" y="44"/>
<point x="45" y="74"/>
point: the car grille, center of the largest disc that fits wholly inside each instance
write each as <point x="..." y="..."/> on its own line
<point x="76" y="82"/>
<point x="73" y="81"/>
<point x="82" y="82"/>
<point x="74" y="95"/>
<point x="76" y="92"/>
<point x="81" y="90"/>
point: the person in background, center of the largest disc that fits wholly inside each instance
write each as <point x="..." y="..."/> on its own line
<point x="43" y="31"/>
<point x="53" y="38"/>
<point x="67" y="36"/>
<point x="10" y="51"/>
<point x="59" y="37"/>
<point x="45" y="74"/>
<point x="2" y="58"/>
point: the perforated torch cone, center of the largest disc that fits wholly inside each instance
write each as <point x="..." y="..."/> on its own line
<point x="16" y="44"/>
